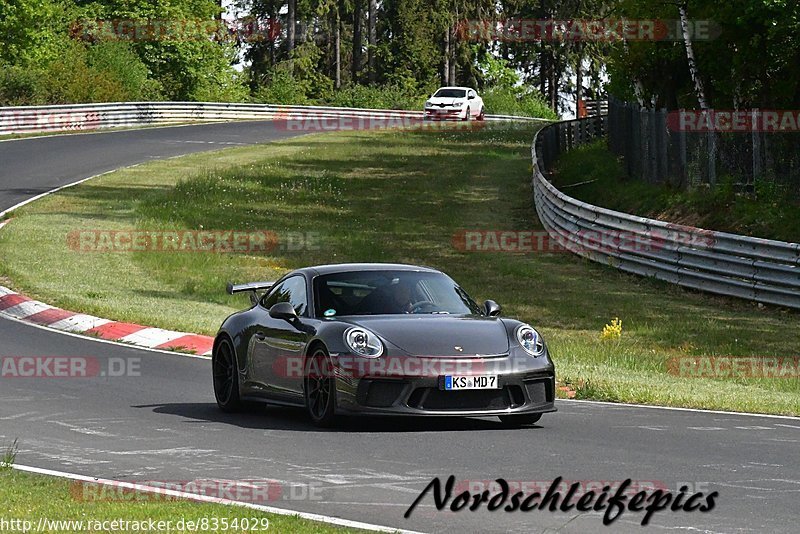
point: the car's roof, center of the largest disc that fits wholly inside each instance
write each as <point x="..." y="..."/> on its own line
<point x="349" y="267"/>
<point x="455" y="87"/>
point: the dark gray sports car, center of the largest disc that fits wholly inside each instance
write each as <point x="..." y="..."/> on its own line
<point x="380" y="339"/>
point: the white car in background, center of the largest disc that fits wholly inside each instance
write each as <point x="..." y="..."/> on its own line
<point x="454" y="103"/>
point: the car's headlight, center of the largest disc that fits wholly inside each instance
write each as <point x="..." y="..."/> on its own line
<point x="363" y="342"/>
<point x="530" y="340"/>
<point x="427" y="103"/>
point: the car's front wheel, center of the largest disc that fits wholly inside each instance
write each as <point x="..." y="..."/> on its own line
<point x="520" y="420"/>
<point x="320" y="388"/>
<point x="226" y="377"/>
<point x="467" y="115"/>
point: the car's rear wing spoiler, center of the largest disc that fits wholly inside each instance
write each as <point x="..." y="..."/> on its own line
<point x="251" y="286"/>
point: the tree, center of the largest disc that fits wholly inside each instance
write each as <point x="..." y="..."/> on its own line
<point x="372" y="40"/>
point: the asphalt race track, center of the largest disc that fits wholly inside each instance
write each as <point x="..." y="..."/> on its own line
<point x="164" y="425"/>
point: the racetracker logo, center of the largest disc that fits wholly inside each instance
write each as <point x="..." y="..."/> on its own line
<point x="218" y="241"/>
<point x="32" y="121"/>
<point x="734" y="367"/>
<point x="349" y="366"/>
<point x="249" y="30"/>
<point x="68" y="367"/>
<point x="320" y="122"/>
<point x="734" y="121"/>
<point x="256" y="491"/>
<point x="581" y="241"/>
<point x="595" y="30"/>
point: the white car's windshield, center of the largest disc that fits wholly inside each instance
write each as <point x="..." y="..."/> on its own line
<point x="450" y="93"/>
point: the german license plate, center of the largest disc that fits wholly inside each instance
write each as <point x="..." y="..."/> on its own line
<point x="458" y="382"/>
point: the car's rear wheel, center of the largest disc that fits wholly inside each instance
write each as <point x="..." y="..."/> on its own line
<point x="520" y="420"/>
<point x="482" y="114"/>
<point x="320" y="388"/>
<point x="226" y="377"/>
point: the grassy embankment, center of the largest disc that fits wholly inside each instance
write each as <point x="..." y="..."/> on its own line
<point x="35" y="498"/>
<point x="392" y="196"/>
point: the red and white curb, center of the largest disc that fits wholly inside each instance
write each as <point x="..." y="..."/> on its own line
<point x="32" y="311"/>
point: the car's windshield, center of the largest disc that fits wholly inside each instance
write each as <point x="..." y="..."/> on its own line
<point x="390" y="292"/>
<point x="450" y="93"/>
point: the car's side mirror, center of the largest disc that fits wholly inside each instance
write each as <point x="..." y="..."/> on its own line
<point x="491" y="308"/>
<point x="283" y="310"/>
<point x="471" y="97"/>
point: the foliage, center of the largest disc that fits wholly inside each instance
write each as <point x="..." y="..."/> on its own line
<point x="770" y="211"/>
<point x="511" y="102"/>
<point x="281" y="88"/>
<point x="750" y="58"/>
<point x="9" y="455"/>
<point x="612" y="331"/>
<point x="382" y="97"/>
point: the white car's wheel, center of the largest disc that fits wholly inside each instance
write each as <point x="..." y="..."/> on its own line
<point x="467" y="114"/>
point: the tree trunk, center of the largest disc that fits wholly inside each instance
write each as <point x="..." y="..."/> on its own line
<point x="337" y="51"/>
<point x="543" y="77"/>
<point x="687" y="41"/>
<point x="454" y="42"/>
<point x="700" y="93"/>
<point x="446" y="54"/>
<point x="291" y="20"/>
<point x="357" y="39"/>
<point x="579" y="80"/>
<point x="453" y="60"/>
<point x="372" y="40"/>
<point x="543" y="73"/>
<point x="552" y="83"/>
<point x="273" y="20"/>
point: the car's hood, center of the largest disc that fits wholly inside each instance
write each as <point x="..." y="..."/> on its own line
<point x="439" y="335"/>
<point x="435" y="101"/>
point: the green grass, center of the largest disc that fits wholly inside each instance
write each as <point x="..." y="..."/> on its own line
<point x="392" y="196"/>
<point x="31" y="497"/>
<point x="770" y="211"/>
<point x="9" y="455"/>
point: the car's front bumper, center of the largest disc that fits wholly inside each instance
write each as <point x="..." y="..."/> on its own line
<point x="438" y="113"/>
<point x="523" y="389"/>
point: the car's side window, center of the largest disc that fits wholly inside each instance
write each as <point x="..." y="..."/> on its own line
<point x="291" y="290"/>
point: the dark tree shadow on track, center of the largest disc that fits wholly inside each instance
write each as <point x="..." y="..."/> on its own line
<point x="295" y="419"/>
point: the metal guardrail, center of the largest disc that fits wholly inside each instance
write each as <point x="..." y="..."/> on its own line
<point x="760" y="270"/>
<point x="83" y="117"/>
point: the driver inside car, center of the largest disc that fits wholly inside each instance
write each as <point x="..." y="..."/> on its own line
<point x="401" y="295"/>
<point x="392" y="298"/>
